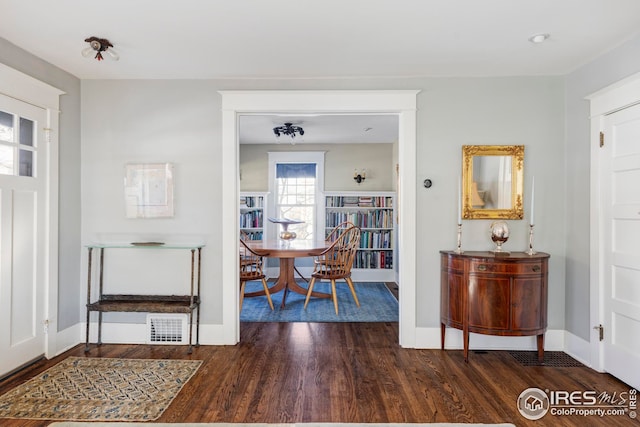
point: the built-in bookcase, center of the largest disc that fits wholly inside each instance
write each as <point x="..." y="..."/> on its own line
<point x="374" y="213"/>
<point x="252" y="216"/>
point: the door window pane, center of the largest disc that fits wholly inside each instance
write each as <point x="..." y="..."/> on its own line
<point x="6" y="160"/>
<point x="6" y="126"/>
<point x="26" y="163"/>
<point x="26" y="132"/>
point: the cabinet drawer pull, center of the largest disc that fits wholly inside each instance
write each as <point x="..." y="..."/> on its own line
<point x="482" y="267"/>
<point x="535" y="268"/>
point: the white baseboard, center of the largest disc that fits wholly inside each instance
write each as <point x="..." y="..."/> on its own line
<point x="578" y="348"/>
<point x="69" y="338"/>
<point x="135" y="333"/>
<point x="430" y="338"/>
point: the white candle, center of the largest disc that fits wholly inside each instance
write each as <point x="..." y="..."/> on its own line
<point x="533" y="183"/>
<point x="459" y="202"/>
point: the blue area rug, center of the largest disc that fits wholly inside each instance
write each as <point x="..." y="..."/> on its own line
<point x="377" y="304"/>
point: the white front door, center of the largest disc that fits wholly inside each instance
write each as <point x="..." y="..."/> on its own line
<point x="23" y="179"/>
<point x="620" y="196"/>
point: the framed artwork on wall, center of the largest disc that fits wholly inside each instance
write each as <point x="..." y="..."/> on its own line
<point x="148" y="189"/>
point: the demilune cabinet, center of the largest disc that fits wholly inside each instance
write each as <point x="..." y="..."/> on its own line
<point x="374" y="213"/>
<point x="485" y="293"/>
<point x="252" y="205"/>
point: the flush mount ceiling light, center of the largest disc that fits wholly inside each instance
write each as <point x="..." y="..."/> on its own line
<point x="288" y="129"/>
<point x="98" y="46"/>
<point x="538" y="38"/>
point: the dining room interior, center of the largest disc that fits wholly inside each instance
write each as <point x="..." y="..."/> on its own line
<point x="353" y="160"/>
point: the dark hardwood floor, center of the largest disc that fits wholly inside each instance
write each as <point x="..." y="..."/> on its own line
<point x="347" y="372"/>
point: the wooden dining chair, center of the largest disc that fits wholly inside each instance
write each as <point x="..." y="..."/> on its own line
<point x="337" y="230"/>
<point x="251" y="269"/>
<point x="335" y="263"/>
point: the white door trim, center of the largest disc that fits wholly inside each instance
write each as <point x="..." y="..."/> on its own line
<point x="608" y="100"/>
<point x="401" y="102"/>
<point x="32" y="91"/>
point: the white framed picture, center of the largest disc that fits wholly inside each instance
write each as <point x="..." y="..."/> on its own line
<point x="148" y="189"/>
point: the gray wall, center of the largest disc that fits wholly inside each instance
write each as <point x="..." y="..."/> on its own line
<point x="179" y="121"/>
<point x="605" y="70"/>
<point x="69" y="194"/>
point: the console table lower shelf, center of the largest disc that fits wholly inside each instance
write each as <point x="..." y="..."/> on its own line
<point x="494" y="294"/>
<point x="146" y="304"/>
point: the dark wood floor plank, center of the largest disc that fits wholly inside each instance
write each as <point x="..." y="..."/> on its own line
<point x="349" y="372"/>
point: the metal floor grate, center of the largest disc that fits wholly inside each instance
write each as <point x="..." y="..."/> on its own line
<point x="557" y="359"/>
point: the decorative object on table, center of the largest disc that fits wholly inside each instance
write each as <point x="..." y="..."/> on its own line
<point x="359" y="176"/>
<point x="148" y="190"/>
<point x="530" y="251"/>
<point x="99" y="45"/>
<point x="100" y="389"/>
<point x="285" y="234"/>
<point x="459" y="247"/>
<point x="499" y="235"/>
<point x="147" y="243"/>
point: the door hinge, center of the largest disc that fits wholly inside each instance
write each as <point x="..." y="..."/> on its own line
<point x="600" y="330"/>
<point x="601" y="139"/>
<point x="45" y="325"/>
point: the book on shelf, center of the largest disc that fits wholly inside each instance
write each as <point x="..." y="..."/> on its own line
<point x="365" y="201"/>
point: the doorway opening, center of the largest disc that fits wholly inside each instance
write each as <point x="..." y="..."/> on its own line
<point x="402" y="103"/>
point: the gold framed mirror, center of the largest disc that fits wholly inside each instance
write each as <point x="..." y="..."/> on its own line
<point x="492" y="181"/>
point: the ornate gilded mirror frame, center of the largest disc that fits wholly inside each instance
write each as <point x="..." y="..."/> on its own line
<point x="492" y="181"/>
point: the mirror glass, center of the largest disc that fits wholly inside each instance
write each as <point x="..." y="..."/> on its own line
<point x="492" y="181"/>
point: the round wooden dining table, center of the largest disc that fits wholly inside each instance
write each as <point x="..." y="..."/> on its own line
<point x="287" y="251"/>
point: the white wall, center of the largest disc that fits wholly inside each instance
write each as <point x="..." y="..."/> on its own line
<point x="340" y="161"/>
<point x="179" y="121"/>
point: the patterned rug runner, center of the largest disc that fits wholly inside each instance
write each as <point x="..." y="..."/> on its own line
<point x="100" y="389"/>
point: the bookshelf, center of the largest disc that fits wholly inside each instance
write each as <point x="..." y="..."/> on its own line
<point x="374" y="213"/>
<point x="252" y="217"/>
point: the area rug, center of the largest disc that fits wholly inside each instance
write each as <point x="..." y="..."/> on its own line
<point x="377" y="304"/>
<point x="81" y="388"/>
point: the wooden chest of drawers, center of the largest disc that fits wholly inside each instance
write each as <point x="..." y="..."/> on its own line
<point x="494" y="295"/>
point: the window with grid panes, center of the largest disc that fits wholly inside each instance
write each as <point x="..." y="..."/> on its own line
<point x="17" y="145"/>
<point x="296" y="191"/>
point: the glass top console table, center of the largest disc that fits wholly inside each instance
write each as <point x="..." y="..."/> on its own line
<point x="187" y="304"/>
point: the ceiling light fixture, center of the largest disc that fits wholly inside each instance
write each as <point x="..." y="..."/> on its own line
<point x="538" y="38"/>
<point x="98" y="46"/>
<point x="288" y="129"/>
